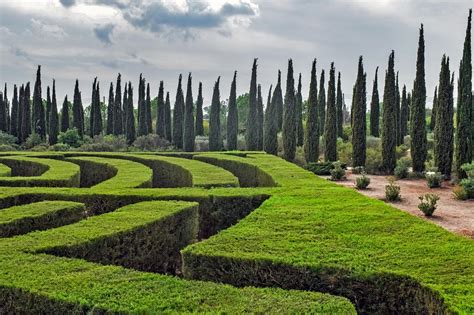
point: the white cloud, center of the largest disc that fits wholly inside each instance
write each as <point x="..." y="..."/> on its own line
<point x="40" y="28"/>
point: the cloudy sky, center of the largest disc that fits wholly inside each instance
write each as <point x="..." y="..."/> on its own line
<point x="210" y="38"/>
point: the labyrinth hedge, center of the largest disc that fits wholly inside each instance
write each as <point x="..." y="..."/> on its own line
<point x="228" y="232"/>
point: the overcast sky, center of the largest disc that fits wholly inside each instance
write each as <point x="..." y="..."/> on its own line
<point x="210" y="38"/>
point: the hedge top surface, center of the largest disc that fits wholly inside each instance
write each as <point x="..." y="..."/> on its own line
<point x="129" y="174"/>
<point x="4" y="170"/>
<point x="36" y="209"/>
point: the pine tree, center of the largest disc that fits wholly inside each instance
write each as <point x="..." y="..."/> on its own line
<point x="374" y="108"/>
<point x="443" y="133"/>
<point x="398" y="102"/>
<point x="251" y="135"/>
<point x="311" y="145"/>
<point x="433" y="110"/>
<point x="359" y="121"/>
<point x="404" y="114"/>
<point x="199" y="115"/>
<point x="299" y="115"/>
<point x="178" y="116"/>
<point x="65" y="115"/>
<point x="3" y="114"/>
<point x="14" y="115"/>
<point x="53" y="118"/>
<point x="149" y="124"/>
<point x="330" y="127"/>
<point x="111" y="111"/>
<point x="26" y="115"/>
<point x="131" y="133"/>
<point x="322" y="103"/>
<point x="48" y="109"/>
<point x="278" y="99"/>
<point x="160" y="112"/>
<point x="339" y="108"/>
<point x="232" y="116"/>
<point x="168" y="127"/>
<point x="464" y="132"/>
<point x="215" y="139"/>
<point x="389" y="141"/>
<point x="259" y="118"/>
<point x="38" y="120"/>
<point x="289" y="114"/>
<point x="417" y="121"/>
<point x="77" y="111"/>
<point x="188" y="132"/>
<point x="270" y="130"/>
<point x="118" y="111"/>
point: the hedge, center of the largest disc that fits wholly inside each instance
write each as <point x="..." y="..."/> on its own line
<point x="39" y="216"/>
<point x="5" y="171"/>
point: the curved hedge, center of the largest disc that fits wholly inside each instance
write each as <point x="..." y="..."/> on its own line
<point x="5" y="171"/>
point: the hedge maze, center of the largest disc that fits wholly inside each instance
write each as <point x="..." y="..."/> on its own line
<point x="213" y="232"/>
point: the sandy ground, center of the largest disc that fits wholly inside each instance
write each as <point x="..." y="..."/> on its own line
<point x="453" y="215"/>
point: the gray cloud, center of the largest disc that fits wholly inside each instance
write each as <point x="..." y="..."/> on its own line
<point x="67" y="3"/>
<point x="104" y="32"/>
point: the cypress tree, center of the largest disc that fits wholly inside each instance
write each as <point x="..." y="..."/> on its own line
<point x="270" y="130"/>
<point x="215" y="140"/>
<point x="7" y="106"/>
<point x="118" y="112"/>
<point x="77" y="111"/>
<point x="409" y="106"/>
<point x="330" y="127"/>
<point x="111" y="111"/>
<point x="53" y="118"/>
<point x="48" y="109"/>
<point x="289" y="114"/>
<point x="311" y="145"/>
<point x="65" y="115"/>
<point x="3" y="114"/>
<point x="359" y="121"/>
<point x="259" y="118"/>
<point x="96" y="115"/>
<point x="149" y="125"/>
<point x="131" y="133"/>
<point x="92" y="110"/>
<point x="232" y="116"/>
<point x="404" y="114"/>
<point x="339" y="108"/>
<point x="38" y="120"/>
<point x="443" y="132"/>
<point x="389" y="141"/>
<point x="14" y="114"/>
<point x="251" y="135"/>
<point x="299" y="115"/>
<point x="322" y="103"/>
<point x="188" y="132"/>
<point x="433" y="109"/>
<point x="199" y="115"/>
<point x="125" y="109"/>
<point x="374" y="108"/>
<point x="398" y="102"/>
<point x="417" y="121"/>
<point x="278" y="99"/>
<point x="142" y="111"/>
<point x="160" y="112"/>
<point x="168" y="127"/>
<point x="21" y="105"/>
<point x="26" y="114"/>
<point x="463" y="140"/>
<point x="178" y="116"/>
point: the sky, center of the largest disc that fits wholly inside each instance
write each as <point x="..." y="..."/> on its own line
<point x="82" y="39"/>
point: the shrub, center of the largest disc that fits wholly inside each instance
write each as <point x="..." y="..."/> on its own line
<point x="468" y="183"/>
<point x="401" y="151"/>
<point x="60" y="147"/>
<point x="434" y="179"/>
<point x="346" y="133"/>
<point x="427" y="204"/>
<point x="42" y="147"/>
<point x="344" y="151"/>
<point x="392" y="191"/>
<point x="362" y="182"/>
<point x="108" y="143"/>
<point x="8" y="147"/>
<point x="322" y="168"/>
<point x="358" y="170"/>
<point x="151" y="142"/>
<point x="373" y="160"/>
<point x="373" y="142"/>
<point x="338" y="173"/>
<point x="33" y="140"/>
<point x="70" y="137"/>
<point x="460" y="193"/>
<point x="401" y="170"/>
<point x="7" y="139"/>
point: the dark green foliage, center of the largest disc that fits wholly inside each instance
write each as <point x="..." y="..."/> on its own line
<point x="149" y="124"/>
<point x="53" y="118"/>
<point x="118" y="108"/>
<point x="375" y="108"/>
<point x="130" y="116"/>
<point x="65" y="115"/>
<point x="444" y="132"/>
<point x="289" y="114"/>
<point x="96" y="114"/>
<point x="111" y="111"/>
<point x="48" y="109"/>
<point x="322" y="103"/>
<point x="160" y="114"/>
<point x="464" y="132"/>
<point x="251" y="135"/>
<point x="417" y="120"/>
<point x="323" y="168"/>
<point x="7" y="107"/>
<point x="3" y="114"/>
<point x="359" y="119"/>
<point x="404" y="114"/>
<point x="215" y="138"/>
<point x="142" y="112"/>
<point x="409" y="99"/>
<point x="38" y="117"/>
<point x="398" y="99"/>
<point x="178" y="116"/>
<point x="232" y="116"/>
<point x="270" y="130"/>
<point x="389" y="141"/>
<point x="311" y="146"/>
<point x="339" y="108"/>
<point x="14" y="123"/>
<point x="299" y="115"/>
<point x="78" y="111"/>
<point x="188" y="131"/>
<point x="433" y="109"/>
<point x="259" y="118"/>
<point x="278" y="99"/>
<point x="199" y="115"/>
<point x="330" y="126"/>
<point x="168" y="129"/>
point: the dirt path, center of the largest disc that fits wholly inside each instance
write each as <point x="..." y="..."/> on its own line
<point x="453" y="215"/>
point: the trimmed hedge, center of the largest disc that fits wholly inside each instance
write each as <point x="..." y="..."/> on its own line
<point x="39" y="216"/>
<point x="5" y="171"/>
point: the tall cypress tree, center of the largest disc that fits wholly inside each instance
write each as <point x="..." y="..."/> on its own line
<point x="168" y="127"/>
<point x="149" y="125"/>
<point x="359" y="121"/>
<point x="65" y="115"/>
<point x="38" y="120"/>
<point x="339" y="108"/>
<point x="77" y="111"/>
<point x="270" y="126"/>
<point x="178" y="116"/>
<point x="188" y="132"/>
<point x="21" y="101"/>
<point x="251" y="135"/>
<point x="142" y="111"/>
<point x="111" y="111"/>
<point x="92" y="110"/>
<point x="322" y="103"/>
<point x="278" y="99"/>
<point x="118" y="112"/>
<point x="311" y="145"/>
<point x="404" y="114"/>
<point x="26" y="114"/>
<point x="7" y="106"/>
<point x="289" y="113"/>
<point x="389" y="141"/>
<point x="48" y="108"/>
<point x="199" y="115"/>
<point x="464" y="133"/>
<point x="232" y="116"/>
<point x="96" y="114"/>
<point x="14" y="113"/>
<point x="398" y="101"/>
<point x="125" y="109"/>
<point x="417" y="121"/>
<point x="433" y="109"/>
<point x="131" y="133"/>
<point x="3" y="114"/>
<point x="259" y="118"/>
<point x="409" y="99"/>
<point x="443" y="132"/>
<point x="299" y="115"/>
<point x="330" y="127"/>
<point x="53" y="118"/>
<point x="374" y="108"/>
<point x="215" y="138"/>
<point x="160" y="112"/>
